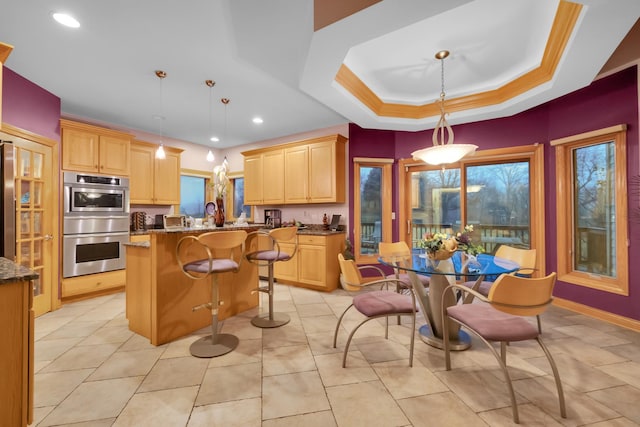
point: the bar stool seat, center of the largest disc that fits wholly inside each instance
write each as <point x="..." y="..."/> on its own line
<point x="208" y="255"/>
<point x="268" y="257"/>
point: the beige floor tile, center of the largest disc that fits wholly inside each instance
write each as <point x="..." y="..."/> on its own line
<point x="118" y="334"/>
<point x="591" y="336"/>
<point x="530" y="415"/>
<point x="180" y="346"/>
<point x="75" y="329"/>
<point x="107" y="422"/>
<point x="332" y="372"/>
<point x="95" y="400"/>
<point x="230" y="383"/>
<point x="317" y="324"/>
<point x="158" y="408"/>
<point x="289" y="334"/>
<point x="381" y="350"/>
<point x="287" y="360"/>
<point x="51" y="389"/>
<point x="587" y="353"/>
<point x="479" y="389"/>
<point x="629" y="372"/>
<point x="375" y="405"/>
<point x="138" y="342"/>
<point x="87" y="356"/>
<point x="314" y="310"/>
<point x="617" y="422"/>
<point x="127" y="364"/>
<point x="626" y="351"/>
<point x="39" y="413"/>
<point x="239" y="413"/>
<point x="322" y="343"/>
<point x="578" y="375"/>
<point x="293" y="394"/>
<point x="248" y="351"/>
<point x="242" y="328"/>
<point x="176" y="372"/>
<point x="48" y="350"/>
<point x="305" y="296"/>
<point x="403" y="381"/>
<point x="315" y="419"/>
<point x="624" y="400"/>
<point x="439" y="409"/>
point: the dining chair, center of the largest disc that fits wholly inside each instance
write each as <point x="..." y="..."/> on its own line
<point x="268" y="257"/>
<point x="501" y="320"/>
<point x="207" y="256"/>
<point x="400" y="249"/>
<point x="525" y="258"/>
<point x="375" y="304"/>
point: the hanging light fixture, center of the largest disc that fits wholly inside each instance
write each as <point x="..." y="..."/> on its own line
<point x="160" y="151"/>
<point x="225" y="101"/>
<point x="211" y="84"/>
<point x="444" y="151"/>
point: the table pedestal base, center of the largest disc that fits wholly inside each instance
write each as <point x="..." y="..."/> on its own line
<point x="462" y="343"/>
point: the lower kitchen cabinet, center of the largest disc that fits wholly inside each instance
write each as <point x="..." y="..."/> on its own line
<point x="315" y="265"/>
<point x="91" y="285"/>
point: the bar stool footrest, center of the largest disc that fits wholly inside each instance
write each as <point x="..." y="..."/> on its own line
<point x="205" y="348"/>
<point x="264" y="320"/>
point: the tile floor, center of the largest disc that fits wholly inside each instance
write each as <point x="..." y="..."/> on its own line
<point x="92" y="371"/>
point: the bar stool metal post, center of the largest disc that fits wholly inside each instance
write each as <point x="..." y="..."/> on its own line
<point x="269" y="257"/>
<point x="208" y="255"/>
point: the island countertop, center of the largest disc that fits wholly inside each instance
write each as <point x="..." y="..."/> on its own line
<point x="313" y="231"/>
<point x="11" y="272"/>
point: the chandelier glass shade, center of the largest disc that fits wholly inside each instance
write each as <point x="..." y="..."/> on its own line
<point x="443" y="151"/>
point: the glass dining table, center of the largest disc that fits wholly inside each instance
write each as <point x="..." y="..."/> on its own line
<point x="460" y="267"/>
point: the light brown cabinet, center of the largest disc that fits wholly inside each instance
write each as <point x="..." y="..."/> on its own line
<point x="154" y="181"/>
<point x="16" y="361"/>
<point x="309" y="171"/>
<point x="315" y="264"/>
<point x="87" y="148"/>
<point x="264" y="178"/>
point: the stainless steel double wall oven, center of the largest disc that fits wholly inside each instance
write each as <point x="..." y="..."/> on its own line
<point x="96" y="223"/>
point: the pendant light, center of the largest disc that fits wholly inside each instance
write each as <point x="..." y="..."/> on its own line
<point x="211" y="84"/>
<point x="225" y="101"/>
<point x="444" y="151"/>
<point x="160" y="151"/>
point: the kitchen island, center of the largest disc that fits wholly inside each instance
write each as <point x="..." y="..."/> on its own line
<point x="160" y="298"/>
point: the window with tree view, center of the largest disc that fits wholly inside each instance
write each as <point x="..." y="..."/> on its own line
<point x="592" y="210"/>
<point x="372" y="208"/>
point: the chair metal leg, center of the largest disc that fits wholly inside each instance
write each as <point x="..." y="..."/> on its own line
<point x="215" y="344"/>
<point x="556" y="376"/>
<point x="335" y="334"/>
<point x="270" y="319"/>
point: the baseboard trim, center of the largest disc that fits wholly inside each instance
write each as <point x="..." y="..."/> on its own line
<point x="616" y="319"/>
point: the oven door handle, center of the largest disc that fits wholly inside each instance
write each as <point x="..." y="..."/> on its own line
<point x="79" y="236"/>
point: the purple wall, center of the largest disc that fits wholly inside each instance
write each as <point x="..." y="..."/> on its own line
<point x="27" y="106"/>
<point x="606" y="102"/>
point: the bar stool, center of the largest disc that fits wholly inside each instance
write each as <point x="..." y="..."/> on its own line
<point x="208" y="255"/>
<point x="269" y="257"/>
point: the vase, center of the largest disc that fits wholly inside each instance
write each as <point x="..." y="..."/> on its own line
<point x="218" y="216"/>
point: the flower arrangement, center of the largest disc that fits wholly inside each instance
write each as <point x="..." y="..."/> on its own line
<point x="465" y="242"/>
<point x="438" y="245"/>
<point x="220" y="179"/>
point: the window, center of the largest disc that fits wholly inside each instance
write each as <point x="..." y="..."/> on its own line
<point x="192" y="195"/>
<point x="235" y="198"/>
<point x="499" y="192"/>
<point x="372" y="207"/>
<point x="592" y="209"/>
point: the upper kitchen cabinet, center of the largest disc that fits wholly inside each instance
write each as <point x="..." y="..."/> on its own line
<point x="309" y="171"/>
<point x="88" y="148"/>
<point x="264" y="177"/>
<point x="154" y="181"/>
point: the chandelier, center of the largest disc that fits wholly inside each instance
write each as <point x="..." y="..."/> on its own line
<point x="444" y="151"/>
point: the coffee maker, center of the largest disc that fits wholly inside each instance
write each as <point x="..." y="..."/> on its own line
<point x="273" y="218"/>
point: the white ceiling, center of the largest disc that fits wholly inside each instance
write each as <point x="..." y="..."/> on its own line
<point x="266" y="58"/>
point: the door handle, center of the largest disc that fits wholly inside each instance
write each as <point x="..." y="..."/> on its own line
<point x="48" y="237"/>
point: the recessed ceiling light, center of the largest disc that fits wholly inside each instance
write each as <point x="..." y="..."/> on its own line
<point x="66" y="20"/>
<point x="257" y="120"/>
<point x="215" y="139"/>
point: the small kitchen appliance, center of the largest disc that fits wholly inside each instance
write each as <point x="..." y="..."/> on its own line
<point x="273" y="218"/>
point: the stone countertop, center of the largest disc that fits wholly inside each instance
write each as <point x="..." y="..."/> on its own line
<point x="314" y="231"/>
<point x="11" y="272"/>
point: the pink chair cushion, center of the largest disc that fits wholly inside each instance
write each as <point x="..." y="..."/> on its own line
<point x="492" y="324"/>
<point x="272" y="256"/>
<point x="378" y="303"/>
<point x="483" y="289"/>
<point x="217" y="266"/>
<point x="405" y="279"/>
